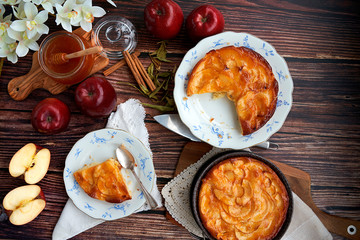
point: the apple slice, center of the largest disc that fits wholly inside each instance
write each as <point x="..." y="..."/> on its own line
<point x="31" y="161"/>
<point x="24" y="204"/>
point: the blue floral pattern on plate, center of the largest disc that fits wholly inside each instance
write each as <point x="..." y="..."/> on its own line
<point x="99" y="146"/>
<point x="214" y="120"/>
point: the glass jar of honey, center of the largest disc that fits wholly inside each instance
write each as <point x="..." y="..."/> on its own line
<point x="74" y="70"/>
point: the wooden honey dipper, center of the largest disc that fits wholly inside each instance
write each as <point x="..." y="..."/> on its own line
<point x="61" y="58"/>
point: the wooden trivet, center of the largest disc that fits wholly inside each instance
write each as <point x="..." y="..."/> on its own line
<point x="300" y="183"/>
<point x="20" y="87"/>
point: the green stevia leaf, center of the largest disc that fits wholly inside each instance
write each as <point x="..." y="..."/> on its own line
<point x="156" y="80"/>
<point x="156" y="62"/>
<point x="165" y="74"/>
<point x="150" y="71"/>
<point x="145" y="93"/>
<point x="144" y="89"/>
<point x="170" y="101"/>
<point x="166" y="86"/>
<point x="159" y="107"/>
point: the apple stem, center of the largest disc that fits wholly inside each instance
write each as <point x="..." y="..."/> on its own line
<point x="159" y="12"/>
<point x="204" y="19"/>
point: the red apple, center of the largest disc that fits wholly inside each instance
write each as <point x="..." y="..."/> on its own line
<point x="32" y="161"/>
<point x="204" y="21"/>
<point x="50" y="116"/>
<point x="95" y="97"/>
<point x="163" y="18"/>
<point x="24" y="204"/>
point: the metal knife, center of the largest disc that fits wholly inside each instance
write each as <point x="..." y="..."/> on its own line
<point x="174" y="123"/>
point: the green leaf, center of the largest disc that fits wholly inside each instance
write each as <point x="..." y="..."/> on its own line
<point x="165" y="74"/>
<point x="150" y="71"/>
<point x="159" y="107"/>
<point x="160" y="53"/>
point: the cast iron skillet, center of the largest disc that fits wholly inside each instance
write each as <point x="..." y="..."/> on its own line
<point x="204" y="169"/>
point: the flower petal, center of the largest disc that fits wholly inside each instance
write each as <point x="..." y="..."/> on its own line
<point x="14" y="34"/>
<point x="31" y="33"/>
<point x="41" y="29"/>
<point x="98" y="11"/>
<point x="86" y="25"/>
<point x="21" y="49"/>
<point x="66" y="25"/>
<point x="19" y="25"/>
<point x="33" y="45"/>
<point x="42" y="17"/>
<point x="48" y="7"/>
<point x="12" y="57"/>
<point x="30" y="10"/>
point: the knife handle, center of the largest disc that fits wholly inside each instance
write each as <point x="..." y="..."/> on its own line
<point x="268" y="145"/>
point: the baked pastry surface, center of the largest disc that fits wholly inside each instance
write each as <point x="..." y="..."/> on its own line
<point x="103" y="181"/>
<point x="242" y="198"/>
<point x="247" y="79"/>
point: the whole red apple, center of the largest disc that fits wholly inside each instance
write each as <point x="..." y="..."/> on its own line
<point x="50" y="116"/>
<point x="204" y="21"/>
<point x="163" y="18"/>
<point x="95" y="97"/>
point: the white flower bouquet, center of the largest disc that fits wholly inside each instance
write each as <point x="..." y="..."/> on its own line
<point x="21" y="30"/>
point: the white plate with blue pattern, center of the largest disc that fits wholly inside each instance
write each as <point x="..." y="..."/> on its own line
<point x="214" y="120"/>
<point x="97" y="147"/>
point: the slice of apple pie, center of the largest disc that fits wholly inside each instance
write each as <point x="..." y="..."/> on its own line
<point x="103" y="181"/>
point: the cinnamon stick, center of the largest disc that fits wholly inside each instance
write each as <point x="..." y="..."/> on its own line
<point x="133" y="68"/>
<point x="119" y="64"/>
<point x="144" y="73"/>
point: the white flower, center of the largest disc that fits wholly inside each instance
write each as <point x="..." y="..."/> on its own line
<point x="48" y="5"/>
<point x="8" y="51"/>
<point x="34" y="22"/>
<point x="18" y="11"/>
<point x="4" y="26"/>
<point x="67" y="16"/>
<point x="88" y="13"/>
<point x="10" y="2"/>
<point x="24" y="43"/>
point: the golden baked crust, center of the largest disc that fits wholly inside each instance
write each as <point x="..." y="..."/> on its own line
<point x="242" y="198"/>
<point x="247" y="79"/>
<point x="103" y="181"/>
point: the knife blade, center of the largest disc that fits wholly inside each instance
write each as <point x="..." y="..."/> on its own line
<point x="174" y="123"/>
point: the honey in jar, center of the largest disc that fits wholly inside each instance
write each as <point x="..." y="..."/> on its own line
<point x="74" y="70"/>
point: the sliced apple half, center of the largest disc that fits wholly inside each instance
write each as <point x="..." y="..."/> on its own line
<point x="24" y="204"/>
<point x="31" y="161"/>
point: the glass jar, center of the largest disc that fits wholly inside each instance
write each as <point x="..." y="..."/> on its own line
<point x="74" y="70"/>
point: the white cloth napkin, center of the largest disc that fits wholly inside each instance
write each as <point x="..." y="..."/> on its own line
<point x="304" y="224"/>
<point x="129" y="116"/>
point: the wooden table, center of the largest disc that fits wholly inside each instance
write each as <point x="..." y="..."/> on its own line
<point x="320" y="42"/>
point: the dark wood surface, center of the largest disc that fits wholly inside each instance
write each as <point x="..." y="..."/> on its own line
<point x="320" y="42"/>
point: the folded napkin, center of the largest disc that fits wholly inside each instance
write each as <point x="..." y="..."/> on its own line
<point x="304" y="223"/>
<point x="129" y="116"/>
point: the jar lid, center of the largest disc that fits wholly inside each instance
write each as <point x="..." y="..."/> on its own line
<point x="115" y="34"/>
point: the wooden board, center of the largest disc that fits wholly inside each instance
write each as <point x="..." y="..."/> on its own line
<point x="300" y="183"/>
<point x="20" y="87"/>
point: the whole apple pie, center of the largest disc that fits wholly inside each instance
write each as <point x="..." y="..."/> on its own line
<point x="245" y="77"/>
<point x="242" y="198"/>
<point x="103" y="181"/>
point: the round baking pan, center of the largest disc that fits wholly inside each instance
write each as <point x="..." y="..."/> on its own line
<point x="209" y="164"/>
